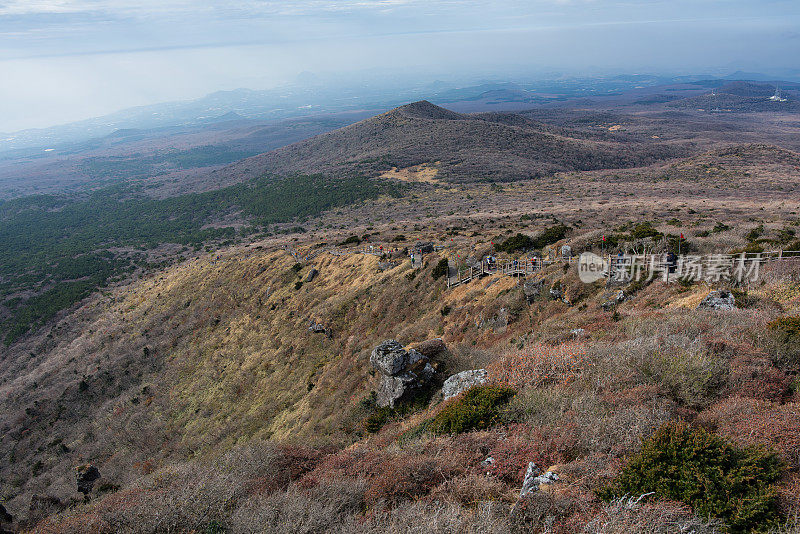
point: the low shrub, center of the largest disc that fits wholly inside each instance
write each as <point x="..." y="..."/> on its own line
<point x="785" y="334"/>
<point x="514" y="243"/>
<point x="477" y="409"/>
<point x="717" y="479"/>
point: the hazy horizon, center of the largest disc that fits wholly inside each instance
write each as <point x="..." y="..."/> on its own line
<point x="67" y="60"/>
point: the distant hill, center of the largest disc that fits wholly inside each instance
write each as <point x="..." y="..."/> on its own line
<point x="744" y="96"/>
<point x="488" y="146"/>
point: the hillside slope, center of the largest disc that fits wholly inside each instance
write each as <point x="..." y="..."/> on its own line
<point x="490" y="146"/>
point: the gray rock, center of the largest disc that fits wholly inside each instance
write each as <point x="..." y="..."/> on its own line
<point x="390" y="358"/>
<point x="621" y="296"/>
<point x="462" y="381"/>
<point x="532" y="288"/>
<point x="609" y="304"/>
<point x="402" y="372"/>
<point x="311" y="275"/>
<point x="535" y="479"/>
<point x="718" y="300"/>
<point x="547" y="478"/>
<point x="85" y="478"/>
<point x="499" y="322"/>
<point x="566" y="251"/>
<point x="578" y="332"/>
<point x="556" y="293"/>
<point x="317" y="328"/>
<point x="529" y="484"/>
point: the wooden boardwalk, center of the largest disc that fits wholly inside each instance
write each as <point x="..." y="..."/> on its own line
<point x="779" y="262"/>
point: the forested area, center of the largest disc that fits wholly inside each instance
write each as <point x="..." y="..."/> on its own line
<point x="56" y="250"/>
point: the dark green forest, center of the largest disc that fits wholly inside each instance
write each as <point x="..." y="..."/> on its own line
<point x="56" y="250"/>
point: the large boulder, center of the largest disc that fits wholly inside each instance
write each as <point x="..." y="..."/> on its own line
<point x="462" y="381"/>
<point x="403" y="372"/>
<point x="718" y="300"/>
<point x="389" y="357"/>
<point x="311" y="275"/>
<point x="85" y="477"/>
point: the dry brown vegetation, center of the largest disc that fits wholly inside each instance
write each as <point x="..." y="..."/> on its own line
<point x="206" y="402"/>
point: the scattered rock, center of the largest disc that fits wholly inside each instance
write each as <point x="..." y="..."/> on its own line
<point x="499" y="322"/>
<point x="318" y="328"/>
<point x="532" y="288"/>
<point x="578" y="332"/>
<point x="621" y="297"/>
<point x="607" y="305"/>
<point x="431" y="348"/>
<point x="311" y="275"/>
<point x="529" y="484"/>
<point x="566" y="251"/>
<point x="535" y="480"/>
<point x="462" y="381"/>
<point x="402" y="372"/>
<point x="85" y="476"/>
<point x="718" y="300"/>
<point x="556" y="293"/>
<point x="488" y="461"/>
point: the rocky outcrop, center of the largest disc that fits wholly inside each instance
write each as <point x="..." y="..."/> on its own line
<point x="535" y="480"/>
<point x="403" y="372"/>
<point x="462" y="381"/>
<point x="318" y="328"/>
<point x="311" y="275"/>
<point x="532" y="288"/>
<point x="85" y="477"/>
<point x="718" y="300"/>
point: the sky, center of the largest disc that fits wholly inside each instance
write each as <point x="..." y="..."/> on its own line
<point x="65" y="60"/>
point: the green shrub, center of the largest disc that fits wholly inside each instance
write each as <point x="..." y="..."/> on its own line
<point x="703" y="470"/>
<point x="644" y="230"/>
<point x="785" y="341"/>
<point x="550" y="235"/>
<point x="514" y="243"/>
<point x="477" y="409"/>
<point x="352" y="240"/>
<point x="788" y="328"/>
<point x="375" y="421"/>
<point x="441" y="269"/>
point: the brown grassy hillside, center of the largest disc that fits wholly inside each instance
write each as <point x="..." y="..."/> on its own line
<point x="498" y="147"/>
